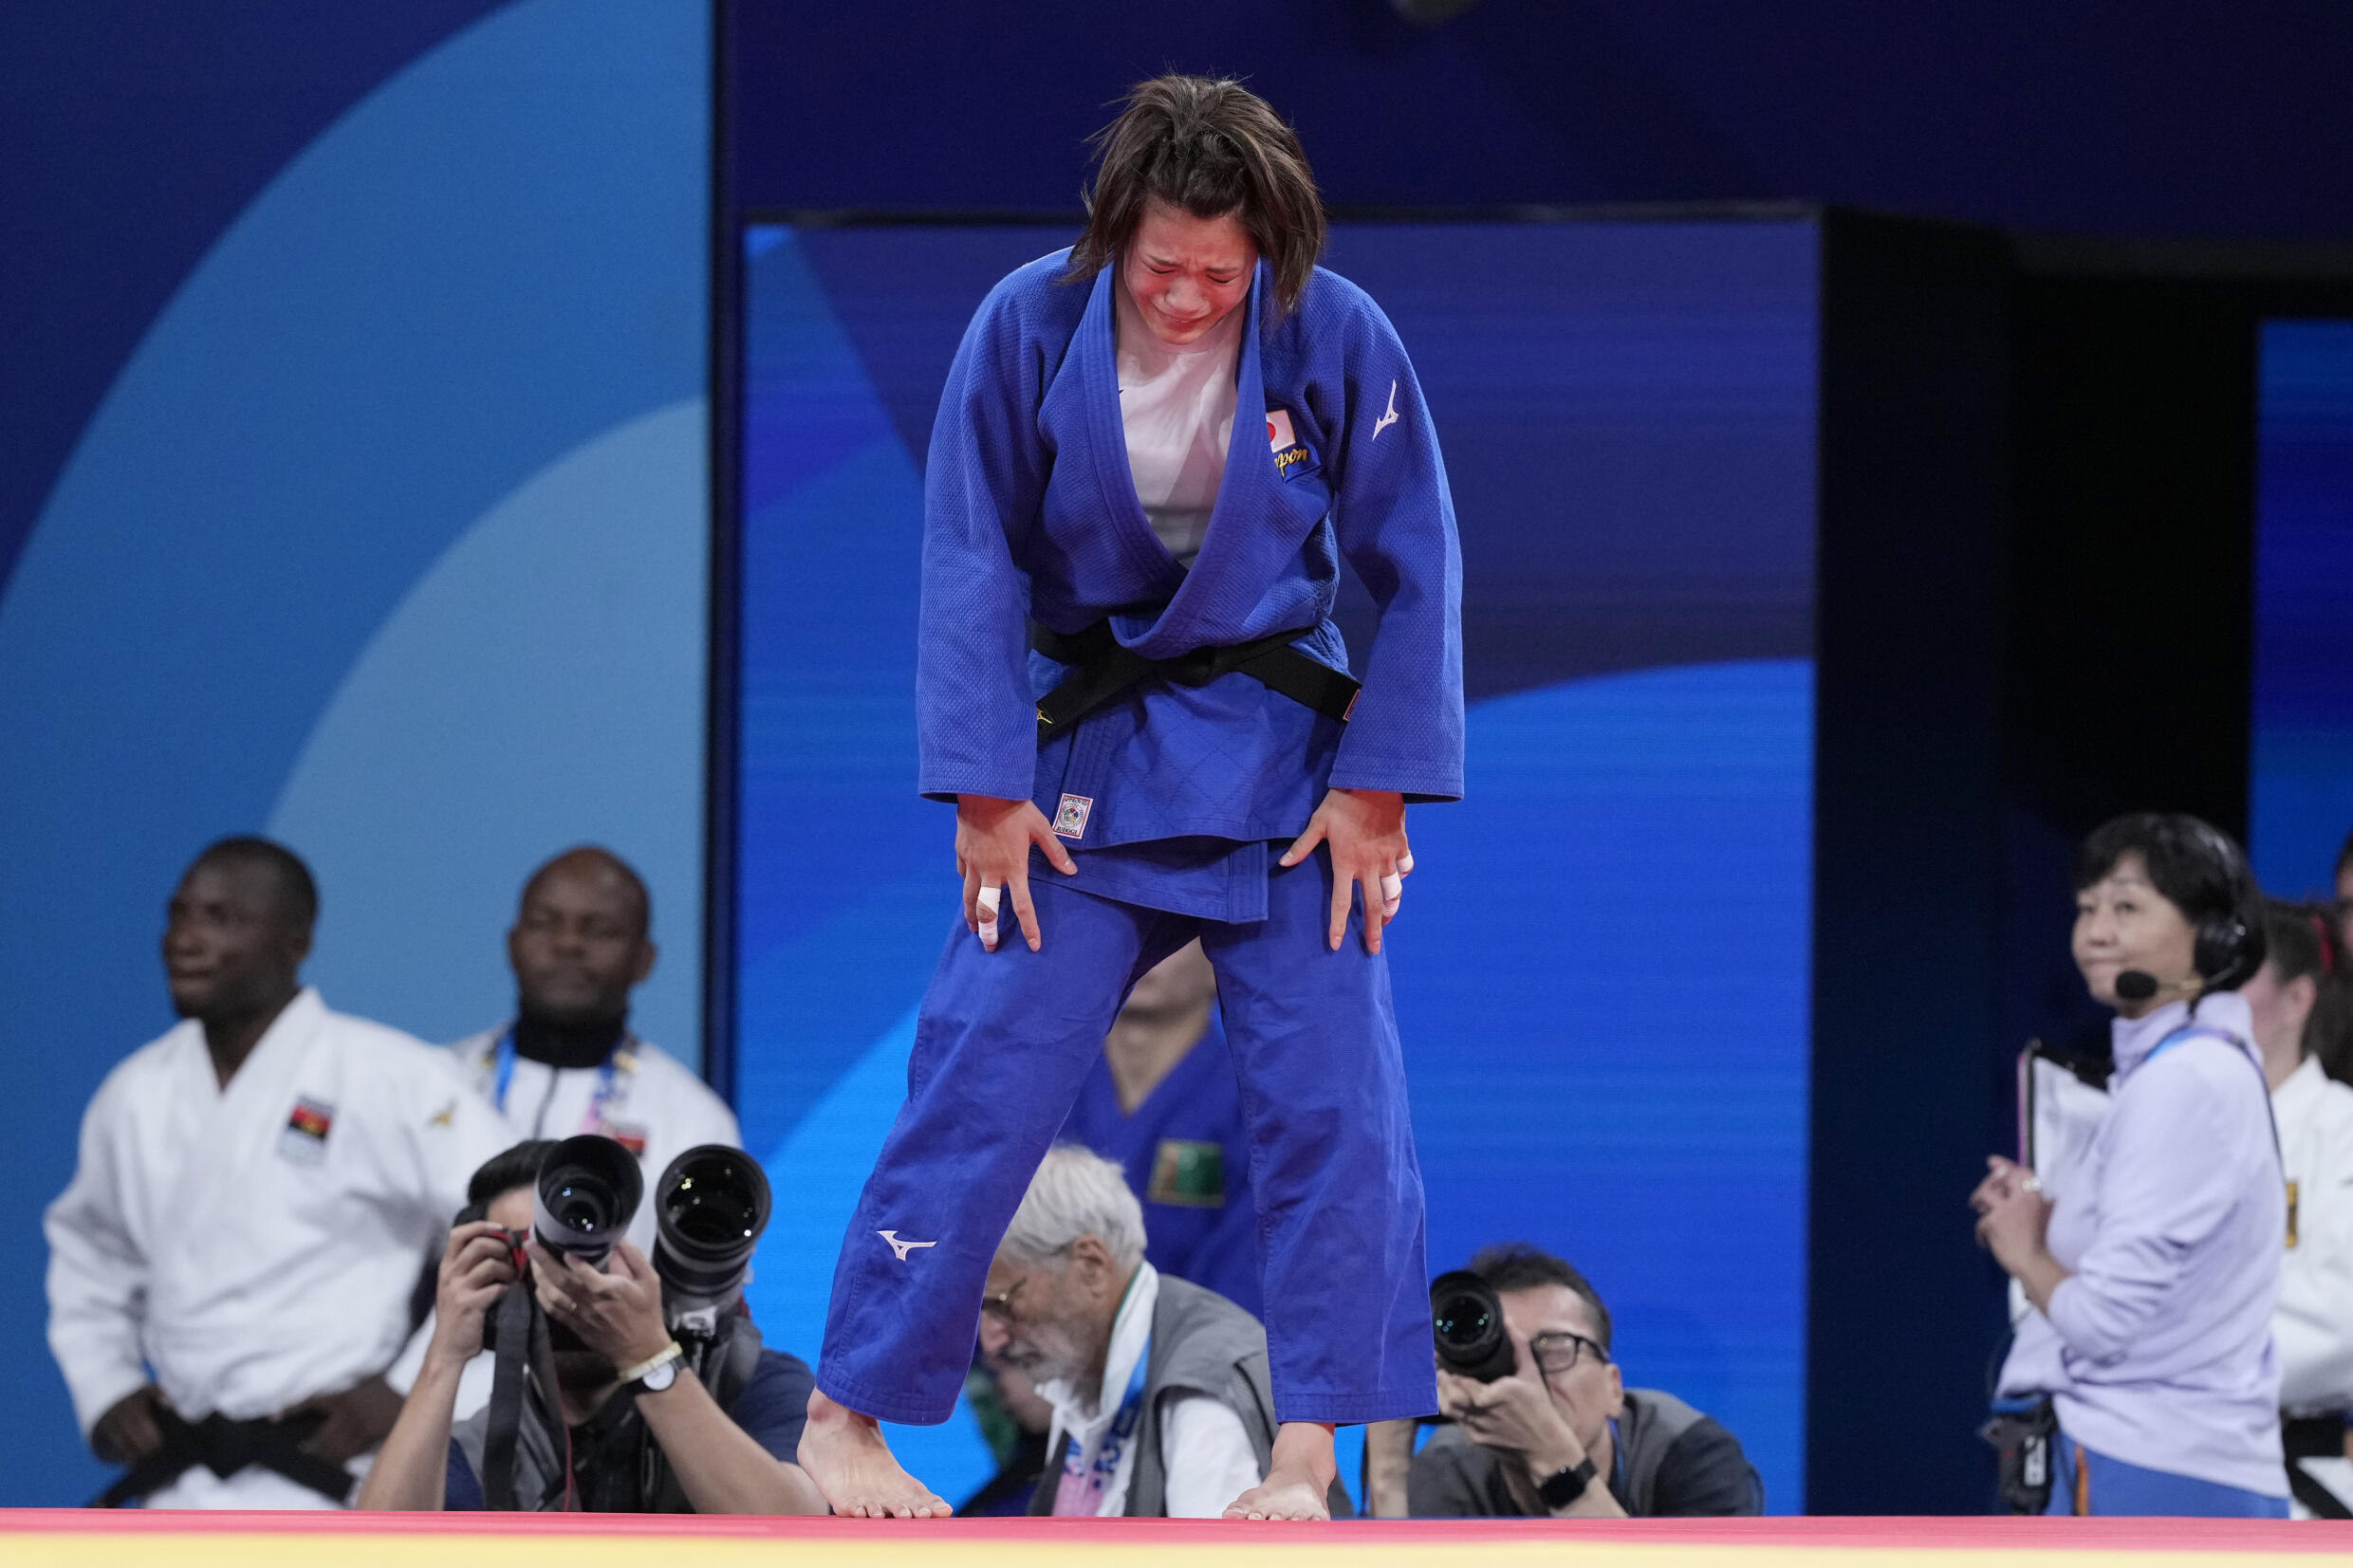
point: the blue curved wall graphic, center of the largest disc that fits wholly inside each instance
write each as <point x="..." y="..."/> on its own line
<point x="534" y="690"/>
<point x="491" y="268"/>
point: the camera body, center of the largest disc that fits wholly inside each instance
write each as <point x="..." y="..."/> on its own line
<point x="1465" y="1319"/>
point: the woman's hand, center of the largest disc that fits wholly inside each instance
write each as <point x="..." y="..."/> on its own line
<point x="2013" y="1220"/>
<point x="993" y="842"/>
<point x="476" y="1268"/>
<point x="1364" y="832"/>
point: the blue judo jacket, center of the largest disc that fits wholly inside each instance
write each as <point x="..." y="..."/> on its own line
<point x="1029" y="511"/>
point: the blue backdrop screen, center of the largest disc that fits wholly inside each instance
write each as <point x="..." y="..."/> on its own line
<point x="1601" y="979"/>
<point x="2301" y="794"/>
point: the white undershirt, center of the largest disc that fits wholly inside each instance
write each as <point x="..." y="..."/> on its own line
<point x="1206" y="1451"/>
<point x="1177" y="405"/>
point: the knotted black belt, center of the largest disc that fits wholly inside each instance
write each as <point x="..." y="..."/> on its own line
<point x="226" y="1446"/>
<point x="1106" y="668"/>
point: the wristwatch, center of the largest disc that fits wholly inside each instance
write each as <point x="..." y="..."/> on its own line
<point x="1562" y="1488"/>
<point x="658" y="1371"/>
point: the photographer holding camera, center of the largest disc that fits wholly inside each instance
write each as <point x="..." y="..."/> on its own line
<point x="615" y="1415"/>
<point x="1542" y="1424"/>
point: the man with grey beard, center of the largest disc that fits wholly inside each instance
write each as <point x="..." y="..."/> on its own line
<point x="1161" y="1397"/>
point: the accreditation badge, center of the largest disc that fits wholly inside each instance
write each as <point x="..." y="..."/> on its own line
<point x="1188" y="1173"/>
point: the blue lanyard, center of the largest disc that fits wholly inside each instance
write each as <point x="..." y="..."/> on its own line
<point x="504" y="1076"/>
<point x="1115" y="1441"/>
<point x="2190" y="1031"/>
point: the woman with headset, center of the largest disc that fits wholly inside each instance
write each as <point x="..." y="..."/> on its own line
<point x="2151" y="1281"/>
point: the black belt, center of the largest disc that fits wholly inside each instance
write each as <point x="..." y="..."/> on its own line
<point x="226" y="1446"/>
<point x="1106" y="669"/>
<point x="2314" y="1437"/>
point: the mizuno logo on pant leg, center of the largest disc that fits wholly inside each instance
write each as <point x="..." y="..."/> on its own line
<point x="902" y="1248"/>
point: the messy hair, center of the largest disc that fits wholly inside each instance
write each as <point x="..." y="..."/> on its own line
<point x="1210" y="146"/>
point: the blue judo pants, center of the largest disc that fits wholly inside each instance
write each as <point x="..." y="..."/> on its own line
<point x="1002" y="1044"/>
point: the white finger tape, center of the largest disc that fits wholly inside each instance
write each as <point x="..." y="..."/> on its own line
<point x="988" y="902"/>
<point x="1405" y="865"/>
<point x="1392" y="888"/>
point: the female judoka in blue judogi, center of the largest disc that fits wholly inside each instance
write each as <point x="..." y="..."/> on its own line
<point x="1151" y="453"/>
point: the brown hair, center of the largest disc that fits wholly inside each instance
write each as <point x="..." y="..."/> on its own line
<point x="1211" y="146"/>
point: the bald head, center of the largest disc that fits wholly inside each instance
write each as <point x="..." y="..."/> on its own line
<point x="581" y="940"/>
<point x="594" y="867"/>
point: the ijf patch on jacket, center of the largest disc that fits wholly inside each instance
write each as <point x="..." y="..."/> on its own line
<point x="304" y="1139"/>
<point x="1291" y="457"/>
<point x="1188" y="1173"/>
<point x="628" y="1136"/>
<point x="1070" y="817"/>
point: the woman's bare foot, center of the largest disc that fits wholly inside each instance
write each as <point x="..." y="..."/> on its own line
<point x="1299" y="1482"/>
<point x="843" y="1452"/>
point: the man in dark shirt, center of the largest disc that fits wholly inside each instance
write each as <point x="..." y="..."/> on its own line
<point x="643" y="1432"/>
<point x="1563" y="1426"/>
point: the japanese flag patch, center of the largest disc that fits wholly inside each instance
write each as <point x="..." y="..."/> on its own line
<point x="1291" y="457"/>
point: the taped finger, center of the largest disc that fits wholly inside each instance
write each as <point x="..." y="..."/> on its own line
<point x="1405" y="864"/>
<point x="1392" y="889"/>
<point x="987" y="900"/>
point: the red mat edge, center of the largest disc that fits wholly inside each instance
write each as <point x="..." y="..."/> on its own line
<point x="2144" y="1535"/>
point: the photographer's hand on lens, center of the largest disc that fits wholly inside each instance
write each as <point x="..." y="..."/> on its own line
<point x="128" y="1431"/>
<point x="1514" y="1414"/>
<point x="617" y="1313"/>
<point x="477" y="1265"/>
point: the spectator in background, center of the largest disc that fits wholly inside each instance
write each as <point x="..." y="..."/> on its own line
<point x="642" y="1433"/>
<point x="1564" y="1422"/>
<point x="1163" y="1102"/>
<point x="2296" y="1001"/>
<point x="2152" y="1281"/>
<point x="566" y="1063"/>
<point x="254" y="1192"/>
<point x="1163" y="1404"/>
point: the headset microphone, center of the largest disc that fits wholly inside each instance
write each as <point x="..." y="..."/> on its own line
<point x="2136" y="984"/>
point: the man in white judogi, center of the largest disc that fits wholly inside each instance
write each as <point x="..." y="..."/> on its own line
<point x="255" y="1195"/>
<point x="567" y="1063"/>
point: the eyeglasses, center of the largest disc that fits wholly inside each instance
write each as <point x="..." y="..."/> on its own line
<point x="1001" y="1307"/>
<point x="1558" y="1353"/>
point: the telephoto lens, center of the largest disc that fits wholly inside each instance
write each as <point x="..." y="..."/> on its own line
<point x="1466" y="1318"/>
<point x="709" y="1209"/>
<point x="587" y="1194"/>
